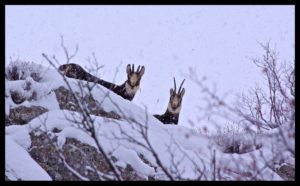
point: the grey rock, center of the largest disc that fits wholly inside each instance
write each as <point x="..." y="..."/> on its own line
<point x="22" y="115"/>
<point x="287" y="172"/>
<point x="7" y="179"/>
<point x="67" y="101"/>
<point x="17" y="97"/>
<point x="83" y="158"/>
<point x="7" y="120"/>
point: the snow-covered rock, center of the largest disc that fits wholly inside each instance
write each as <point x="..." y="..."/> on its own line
<point x="54" y="145"/>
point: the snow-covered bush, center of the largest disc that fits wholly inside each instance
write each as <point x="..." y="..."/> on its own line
<point x="233" y="139"/>
<point x="24" y="81"/>
<point x="27" y="90"/>
<point x="20" y="70"/>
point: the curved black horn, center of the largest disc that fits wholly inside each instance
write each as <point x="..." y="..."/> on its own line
<point x="174" y="85"/>
<point x="138" y="69"/>
<point x="132" y="67"/>
<point x="181" y="86"/>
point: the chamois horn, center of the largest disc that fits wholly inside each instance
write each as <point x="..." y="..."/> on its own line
<point x="138" y="69"/>
<point x="174" y="84"/>
<point x="181" y="86"/>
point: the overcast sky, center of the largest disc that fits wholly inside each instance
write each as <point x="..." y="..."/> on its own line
<point x="217" y="41"/>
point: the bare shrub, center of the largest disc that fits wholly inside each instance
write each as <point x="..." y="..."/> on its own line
<point x="272" y="104"/>
<point x="233" y="139"/>
<point x="20" y="70"/>
<point x="268" y="109"/>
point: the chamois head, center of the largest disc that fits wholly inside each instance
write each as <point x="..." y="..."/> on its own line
<point x="174" y="105"/>
<point x="68" y="70"/>
<point x="134" y="78"/>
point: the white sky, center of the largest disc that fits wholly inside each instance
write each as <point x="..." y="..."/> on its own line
<point x="216" y="40"/>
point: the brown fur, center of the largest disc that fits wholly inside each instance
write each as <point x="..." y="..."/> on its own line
<point x="127" y="90"/>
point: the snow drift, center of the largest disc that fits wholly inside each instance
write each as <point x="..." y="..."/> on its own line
<point x="136" y="139"/>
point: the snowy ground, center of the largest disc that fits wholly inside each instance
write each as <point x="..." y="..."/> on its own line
<point x="172" y="143"/>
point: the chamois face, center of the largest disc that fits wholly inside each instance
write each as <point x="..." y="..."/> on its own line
<point x="62" y="68"/>
<point x="134" y="78"/>
<point x="175" y="101"/>
<point x="174" y="105"/>
<point x="73" y="70"/>
<point x="67" y="69"/>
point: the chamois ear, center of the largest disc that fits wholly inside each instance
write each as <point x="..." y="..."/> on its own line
<point x="128" y="70"/>
<point x="171" y="91"/>
<point x="142" y="71"/>
<point x="182" y="92"/>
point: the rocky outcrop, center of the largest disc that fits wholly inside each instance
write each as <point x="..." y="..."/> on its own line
<point x="22" y="115"/>
<point x="67" y="101"/>
<point x="7" y="179"/>
<point x="26" y="93"/>
<point x="17" y="97"/>
<point x="83" y="158"/>
<point x="7" y="120"/>
<point x="287" y="172"/>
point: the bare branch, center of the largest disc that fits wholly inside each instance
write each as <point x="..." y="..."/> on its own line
<point x="68" y="56"/>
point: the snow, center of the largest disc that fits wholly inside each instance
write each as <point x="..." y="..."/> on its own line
<point x="21" y="166"/>
<point x="130" y="157"/>
<point x="245" y="163"/>
<point x="215" y="41"/>
<point x="173" y="144"/>
<point x="20" y="135"/>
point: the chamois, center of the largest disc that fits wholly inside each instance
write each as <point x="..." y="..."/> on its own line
<point x="171" y="115"/>
<point x="127" y="90"/>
